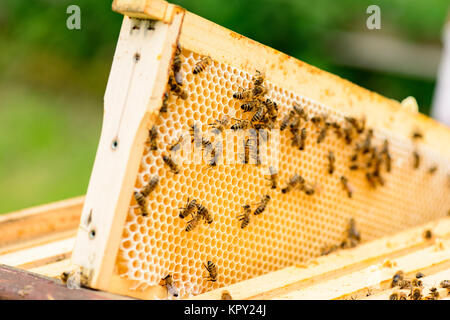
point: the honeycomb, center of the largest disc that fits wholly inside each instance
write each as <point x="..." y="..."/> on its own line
<point x="294" y="227"/>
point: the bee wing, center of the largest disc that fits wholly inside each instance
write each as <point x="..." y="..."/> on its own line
<point x="172" y="290"/>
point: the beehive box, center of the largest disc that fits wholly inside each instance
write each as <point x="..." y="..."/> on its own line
<point x="36" y="245"/>
<point x="119" y="250"/>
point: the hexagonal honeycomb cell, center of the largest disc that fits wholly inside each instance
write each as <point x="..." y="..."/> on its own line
<point x="294" y="227"/>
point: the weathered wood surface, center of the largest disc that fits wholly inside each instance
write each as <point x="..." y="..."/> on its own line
<point x="27" y="224"/>
<point x="16" y="284"/>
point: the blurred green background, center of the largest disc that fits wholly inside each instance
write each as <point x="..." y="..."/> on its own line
<point x="52" y="79"/>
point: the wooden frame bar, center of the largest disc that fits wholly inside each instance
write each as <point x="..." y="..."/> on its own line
<point x="135" y="90"/>
<point x="18" y="227"/>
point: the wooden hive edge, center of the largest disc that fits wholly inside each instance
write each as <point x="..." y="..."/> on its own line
<point x="341" y="264"/>
<point x="16" y="228"/>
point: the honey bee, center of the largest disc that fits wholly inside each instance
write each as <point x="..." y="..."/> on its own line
<point x="322" y="134"/>
<point x="396" y="295"/>
<point x="416" y="282"/>
<point x="416" y="135"/>
<point x="241" y="125"/>
<point x="316" y="120"/>
<point x="267" y="122"/>
<point x="353" y="122"/>
<point x="358" y="125"/>
<point x="371" y="158"/>
<point x="259" y="91"/>
<point x="152" y="136"/>
<point x="432" y="169"/>
<point x="376" y="174"/>
<point x="226" y="295"/>
<point x="271" y="106"/>
<point x="215" y="155"/>
<point x="245" y="217"/>
<point x="246" y="152"/>
<point x="212" y="270"/>
<point x="245" y="94"/>
<point x="193" y="223"/>
<point x="308" y="189"/>
<point x="349" y="243"/>
<point x="366" y="147"/>
<point x="428" y="234"/>
<point x="419" y="275"/>
<point x="206" y="144"/>
<point x="188" y="209"/>
<point x="402" y="296"/>
<point x="398" y="276"/>
<point x="64" y="276"/>
<point x="287" y="119"/>
<point x="203" y="212"/>
<point x="167" y="282"/>
<point x="176" y="88"/>
<point x="259" y="114"/>
<point x="294" y="128"/>
<point x="273" y="177"/>
<point x="293" y="181"/>
<point x="371" y="179"/>
<point x="258" y="78"/>
<point x="142" y="202"/>
<point x="251" y="105"/>
<point x="361" y="125"/>
<point x="254" y="151"/>
<point x="354" y="166"/>
<point x="176" y="145"/>
<point x="171" y="164"/>
<point x="163" y="108"/>
<point x="195" y="134"/>
<point x="302" y="139"/>
<point x="416" y="156"/>
<point x="328" y="249"/>
<point x="151" y="185"/>
<point x="445" y="284"/>
<point x="352" y="232"/>
<point x="404" y="284"/>
<point x="387" y="155"/>
<point x="337" y="128"/>
<point x="346" y="186"/>
<point x="300" y="111"/>
<point x="348" y="134"/>
<point x="220" y="124"/>
<point x="176" y="65"/>
<point x="262" y="205"/>
<point x="354" y="156"/>
<point x="180" y="92"/>
<point x="201" y="65"/>
<point x="433" y="295"/>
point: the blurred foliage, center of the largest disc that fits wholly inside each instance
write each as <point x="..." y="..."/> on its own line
<point x="52" y="79"/>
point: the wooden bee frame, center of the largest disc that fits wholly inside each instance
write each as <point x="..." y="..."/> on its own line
<point x="150" y="32"/>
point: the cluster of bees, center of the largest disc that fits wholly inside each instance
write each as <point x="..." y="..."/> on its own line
<point x="168" y="281"/>
<point x="197" y="211"/>
<point x="366" y="156"/>
<point x="415" y="286"/>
